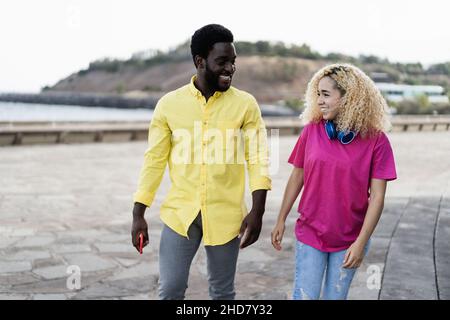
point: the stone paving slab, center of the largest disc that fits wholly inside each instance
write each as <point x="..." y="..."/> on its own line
<point x="14" y="266"/>
<point x="410" y="269"/>
<point x="442" y="250"/>
<point x="8" y="280"/>
<point x="64" y="205"/>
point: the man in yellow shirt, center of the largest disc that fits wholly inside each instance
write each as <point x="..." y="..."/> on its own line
<point x="206" y="131"/>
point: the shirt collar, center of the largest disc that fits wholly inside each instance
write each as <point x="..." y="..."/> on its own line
<point x="197" y="93"/>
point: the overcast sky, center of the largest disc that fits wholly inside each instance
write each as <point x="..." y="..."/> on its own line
<point x="46" y="40"/>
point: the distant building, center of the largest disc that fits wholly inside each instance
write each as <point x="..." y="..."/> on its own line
<point x="380" y="77"/>
<point x="398" y="92"/>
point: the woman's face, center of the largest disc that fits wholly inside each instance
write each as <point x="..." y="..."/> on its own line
<point x="329" y="98"/>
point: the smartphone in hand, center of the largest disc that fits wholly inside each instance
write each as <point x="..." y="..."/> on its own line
<point x="141" y="242"/>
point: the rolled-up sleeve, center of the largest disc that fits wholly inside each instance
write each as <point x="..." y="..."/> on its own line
<point x="155" y="157"/>
<point x="256" y="150"/>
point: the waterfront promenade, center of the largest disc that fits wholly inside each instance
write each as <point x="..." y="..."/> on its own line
<point x="70" y="205"/>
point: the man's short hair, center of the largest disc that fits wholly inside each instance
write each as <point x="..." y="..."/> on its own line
<point x="204" y="39"/>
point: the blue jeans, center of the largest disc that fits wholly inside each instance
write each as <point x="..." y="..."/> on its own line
<point x="310" y="268"/>
<point x="175" y="257"/>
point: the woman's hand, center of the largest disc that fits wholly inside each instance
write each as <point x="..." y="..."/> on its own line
<point x="277" y="235"/>
<point x="354" y="255"/>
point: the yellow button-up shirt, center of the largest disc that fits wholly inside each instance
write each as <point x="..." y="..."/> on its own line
<point x="206" y="145"/>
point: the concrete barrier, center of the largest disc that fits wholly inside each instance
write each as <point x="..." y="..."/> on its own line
<point x="24" y="133"/>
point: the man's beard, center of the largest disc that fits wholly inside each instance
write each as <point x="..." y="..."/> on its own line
<point x="212" y="80"/>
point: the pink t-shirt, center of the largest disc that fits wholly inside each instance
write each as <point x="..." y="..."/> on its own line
<point x="337" y="177"/>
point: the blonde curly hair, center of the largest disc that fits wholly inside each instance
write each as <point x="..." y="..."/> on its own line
<point x="362" y="107"/>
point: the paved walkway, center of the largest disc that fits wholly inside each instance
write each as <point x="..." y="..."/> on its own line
<point x="64" y="205"/>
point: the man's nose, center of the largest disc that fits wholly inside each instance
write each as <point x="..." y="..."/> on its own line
<point x="230" y="68"/>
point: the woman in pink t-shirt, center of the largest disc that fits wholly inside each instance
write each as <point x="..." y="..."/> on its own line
<point x="342" y="160"/>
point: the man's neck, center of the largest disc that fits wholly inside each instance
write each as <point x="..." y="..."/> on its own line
<point x="203" y="87"/>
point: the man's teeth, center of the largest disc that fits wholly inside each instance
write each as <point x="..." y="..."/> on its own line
<point x="225" y="78"/>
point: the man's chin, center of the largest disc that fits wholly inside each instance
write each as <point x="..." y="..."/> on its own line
<point x="223" y="87"/>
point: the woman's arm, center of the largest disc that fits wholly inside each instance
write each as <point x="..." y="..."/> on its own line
<point x="376" y="205"/>
<point x="355" y="253"/>
<point x="293" y="188"/>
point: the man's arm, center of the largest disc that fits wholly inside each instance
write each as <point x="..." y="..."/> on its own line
<point x="257" y="159"/>
<point x="152" y="172"/>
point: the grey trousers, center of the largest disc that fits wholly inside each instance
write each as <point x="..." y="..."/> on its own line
<point x="175" y="257"/>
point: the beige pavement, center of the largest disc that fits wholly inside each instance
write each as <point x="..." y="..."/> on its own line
<point x="65" y="205"/>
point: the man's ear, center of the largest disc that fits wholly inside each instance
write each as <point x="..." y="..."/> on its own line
<point x="199" y="62"/>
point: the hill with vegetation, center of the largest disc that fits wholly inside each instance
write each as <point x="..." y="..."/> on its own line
<point x="272" y="72"/>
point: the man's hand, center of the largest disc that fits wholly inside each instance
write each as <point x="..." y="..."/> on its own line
<point x="139" y="225"/>
<point x="252" y="224"/>
<point x="250" y="228"/>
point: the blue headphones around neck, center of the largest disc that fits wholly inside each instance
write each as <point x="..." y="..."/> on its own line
<point x="333" y="133"/>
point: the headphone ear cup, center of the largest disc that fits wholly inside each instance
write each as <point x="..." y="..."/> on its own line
<point x="330" y="129"/>
<point x="346" y="137"/>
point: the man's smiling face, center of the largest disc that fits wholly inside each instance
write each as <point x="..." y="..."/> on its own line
<point x="220" y="66"/>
